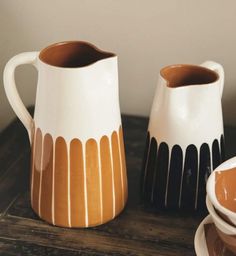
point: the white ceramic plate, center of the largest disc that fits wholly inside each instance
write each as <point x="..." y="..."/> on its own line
<point x="199" y="239"/>
<point x="201" y="245"/>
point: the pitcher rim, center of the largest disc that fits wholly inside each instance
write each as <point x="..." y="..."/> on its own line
<point x="190" y="66"/>
<point x="95" y="48"/>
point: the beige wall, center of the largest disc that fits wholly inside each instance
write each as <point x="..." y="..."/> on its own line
<point x="146" y="35"/>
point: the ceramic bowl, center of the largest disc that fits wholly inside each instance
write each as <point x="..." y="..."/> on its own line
<point x="225" y="213"/>
<point x="200" y="243"/>
<point x="226" y="232"/>
<point x="209" y="244"/>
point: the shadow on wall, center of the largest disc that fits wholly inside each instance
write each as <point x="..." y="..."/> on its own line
<point x="126" y="29"/>
<point x="229" y="114"/>
<point x="11" y="28"/>
<point x="229" y="103"/>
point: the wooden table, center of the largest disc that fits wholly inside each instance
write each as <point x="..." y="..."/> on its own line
<point x="137" y="231"/>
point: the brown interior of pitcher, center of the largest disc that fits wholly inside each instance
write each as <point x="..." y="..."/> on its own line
<point x="72" y="54"/>
<point x="225" y="188"/>
<point x="184" y="75"/>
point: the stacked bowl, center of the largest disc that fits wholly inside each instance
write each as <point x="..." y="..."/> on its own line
<point x="216" y="235"/>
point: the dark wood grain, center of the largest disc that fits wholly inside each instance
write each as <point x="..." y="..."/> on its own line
<point x="90" y="240"/>
<point x="13" y="142"/>
<point x="9" y="247"/>
<point x="137" y="231"/>
<point x="14" y="181"/>
<point x="136" y="224"/>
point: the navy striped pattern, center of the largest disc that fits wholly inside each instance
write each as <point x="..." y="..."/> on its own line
<point x="173" y="179"/>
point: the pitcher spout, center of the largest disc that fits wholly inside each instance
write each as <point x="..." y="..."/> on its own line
<point x="73" y="54"/>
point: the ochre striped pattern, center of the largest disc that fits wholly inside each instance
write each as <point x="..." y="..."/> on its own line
<point x="36" y="170"/>
<point x="46" y="181"/>
<point x="107" y="178"/>
<point x="119" y="199"/>
<point x="61" y="211"/>
<point x="93" y="182"/>
<point x="75" y="184"/>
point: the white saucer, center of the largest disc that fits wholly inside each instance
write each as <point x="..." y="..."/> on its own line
<point x="200" y="243"/>
<point x="199" y="239"/>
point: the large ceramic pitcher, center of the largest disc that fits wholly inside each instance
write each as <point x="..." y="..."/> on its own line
<point x="78" y="176"/>
<point x="185" y="136"/>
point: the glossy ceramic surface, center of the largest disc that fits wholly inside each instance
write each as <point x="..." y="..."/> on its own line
<point x="78" y="161"/>
<point x="185" y="139"/>
<point x="226" y="232"/>
<point x="214" y="243"/>
<point x="229" y="164"/>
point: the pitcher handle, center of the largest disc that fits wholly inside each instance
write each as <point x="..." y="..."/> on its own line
<point x="11" y="90"/>
<point x="218" y="69"/>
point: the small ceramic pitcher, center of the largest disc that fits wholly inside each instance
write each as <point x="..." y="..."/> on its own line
<point x="78" y="176"/>
<point x="185" y="136"/>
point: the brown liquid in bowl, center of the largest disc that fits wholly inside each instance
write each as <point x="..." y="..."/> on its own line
<point x="225" y="188"/>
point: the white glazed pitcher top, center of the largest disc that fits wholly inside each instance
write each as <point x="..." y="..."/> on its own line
<point x="77" y="93"/>
<point x="187" y="105"/>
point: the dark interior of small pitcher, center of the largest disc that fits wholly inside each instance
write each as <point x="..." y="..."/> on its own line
<point x="184" y="75"/>
<point x="72" y="54"/>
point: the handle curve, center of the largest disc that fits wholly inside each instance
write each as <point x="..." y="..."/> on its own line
<point x="218" y="68"/>
<point x="11" y="90"/>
